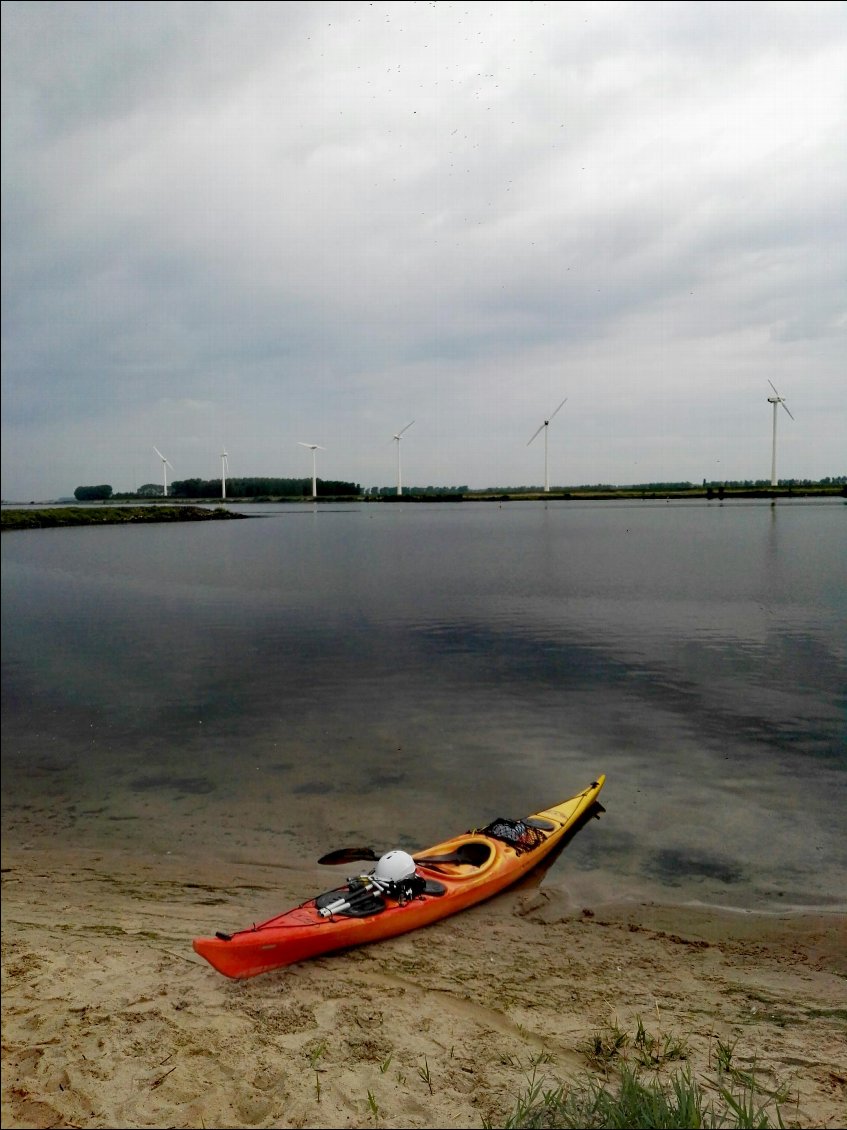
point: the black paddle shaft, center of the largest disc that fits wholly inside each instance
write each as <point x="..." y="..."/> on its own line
<point x="473" y="853"/>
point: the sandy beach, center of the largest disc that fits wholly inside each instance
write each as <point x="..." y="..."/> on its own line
<point x="111" y="1020"/>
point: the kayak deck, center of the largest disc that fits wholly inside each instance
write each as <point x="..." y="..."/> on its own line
<point x="449" y="877"/>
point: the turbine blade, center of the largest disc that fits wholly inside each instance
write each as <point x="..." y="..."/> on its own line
<point x="543" y="426"/>
<point x="773" y="386"/>
<point x="161" y="456"/>
<point x="404" y="429"/>
<point x="785" y="406"/>
<point x="551" y="417"/>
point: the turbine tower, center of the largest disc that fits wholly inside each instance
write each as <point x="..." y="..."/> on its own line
<point x="224" y="470"/>
<point x="313" y="447"/>
<point x="544" y="428"/>
<point x="397" y="441"/>
<point x="165" y="464"/>
<point x="775" y="400"/>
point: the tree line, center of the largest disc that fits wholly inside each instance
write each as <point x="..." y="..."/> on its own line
<point x="263" y="487"/>
<point x="256" y="487"/>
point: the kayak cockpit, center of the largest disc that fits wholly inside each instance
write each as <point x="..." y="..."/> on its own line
<point x="458" y="857"/>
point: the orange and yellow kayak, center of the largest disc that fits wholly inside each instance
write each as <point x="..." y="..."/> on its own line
<point x="440" y="881"/>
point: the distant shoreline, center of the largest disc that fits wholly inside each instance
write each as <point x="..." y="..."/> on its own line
<point x="33" y="515"/>
<point x="619" y="494"/>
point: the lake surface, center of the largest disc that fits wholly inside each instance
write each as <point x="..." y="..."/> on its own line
<point x="390" y="674"/>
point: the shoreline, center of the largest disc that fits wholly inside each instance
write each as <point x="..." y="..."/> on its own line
<point x="529" y="494"/>
<point x="32" y="516"/>
<point x="110" y="1019"/>
<point x="39" y="518"/>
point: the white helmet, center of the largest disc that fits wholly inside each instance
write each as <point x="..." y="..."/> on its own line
<point x="394" y="867"/>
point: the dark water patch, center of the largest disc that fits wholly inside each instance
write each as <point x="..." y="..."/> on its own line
<point x="313" y="788"/>
<point x="186" y="786"/>
<point x="673" y="867"/>
<point x="45" y="767"/>
<point x="386" y="780"/>
<point x="532" y="664"/>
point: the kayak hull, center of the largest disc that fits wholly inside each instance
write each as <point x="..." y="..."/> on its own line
<point x="451" y="886"/>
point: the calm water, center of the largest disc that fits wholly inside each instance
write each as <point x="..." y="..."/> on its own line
<point x="391" y="674"/>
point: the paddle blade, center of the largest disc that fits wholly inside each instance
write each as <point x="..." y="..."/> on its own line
<point x="349" y="855"/>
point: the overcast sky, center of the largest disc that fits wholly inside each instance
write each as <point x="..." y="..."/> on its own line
<point x="251" y="225"/>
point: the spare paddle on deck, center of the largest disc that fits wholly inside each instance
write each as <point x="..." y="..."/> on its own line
<point x="474" y="854"/>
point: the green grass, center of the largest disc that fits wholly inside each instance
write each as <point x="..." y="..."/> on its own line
<point x="623" y="1090"/>
<point x="679" y="1103"/>
<point x="648" y="1049"/>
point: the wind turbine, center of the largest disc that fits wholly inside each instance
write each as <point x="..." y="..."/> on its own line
<point x="775" y="400"/>
<point x="544" y="427"/>
<point x="397" y="441"/>
<point x="165" y="464"/>
<point x="313" y="448"/>
<point x="224" y="470"/>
